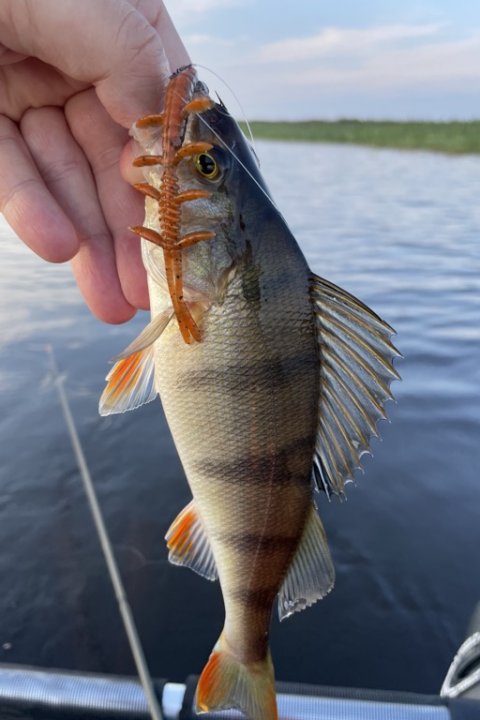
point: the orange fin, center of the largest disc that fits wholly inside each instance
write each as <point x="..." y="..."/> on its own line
<point x="130" y="383"/>
<point x="189" y="545"/>
<point x="149" y="334"/>
<point x="227" y="683"/>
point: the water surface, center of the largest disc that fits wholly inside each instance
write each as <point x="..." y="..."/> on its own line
<point x="401" y="231"/>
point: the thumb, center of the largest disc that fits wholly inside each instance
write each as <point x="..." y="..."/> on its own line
<point x="106" y="43"/>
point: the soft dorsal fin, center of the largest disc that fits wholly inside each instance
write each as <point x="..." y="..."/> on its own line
<point x="311" y="574"/>
<point x="356" y="369"/>
<point x="189" y="545"/>
<point x="131" y="381"/>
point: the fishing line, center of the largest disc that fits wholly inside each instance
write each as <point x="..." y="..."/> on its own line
<point x="235" y="156"/>
<point x="123" y="605"/>
<point x="235" y="97"/>
<point x="229" y="149"/>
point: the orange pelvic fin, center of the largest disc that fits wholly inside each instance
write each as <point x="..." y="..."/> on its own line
<point x="227" y="683"/>
<point x="130" y="383"/>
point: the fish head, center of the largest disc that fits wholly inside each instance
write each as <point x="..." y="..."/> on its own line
<point x="236" y="201"/>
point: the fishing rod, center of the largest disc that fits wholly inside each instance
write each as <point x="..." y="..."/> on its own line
<point x="119" y="590"/>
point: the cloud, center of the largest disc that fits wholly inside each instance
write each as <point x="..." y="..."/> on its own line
<point x="445" y="63"/>
<point x="334" y="41"/>
<point x="406" y="70"/>
<point x="186" y="8"/>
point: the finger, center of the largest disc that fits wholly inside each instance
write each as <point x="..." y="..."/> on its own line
<point x="157" y="15"/>
<point x="109" y="44"/>
<point x="26" y="202"/>
<point x="32" y="83"/>
<point x="129" y="172"/>
<point x="7" y="57"/>
<point x="102" y="141"/>
<point x="68" y="177"/>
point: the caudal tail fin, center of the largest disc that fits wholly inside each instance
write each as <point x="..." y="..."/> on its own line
<point x="227" y="683"/>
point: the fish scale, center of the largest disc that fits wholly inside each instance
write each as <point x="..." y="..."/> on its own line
<point x="250" y="428"/>
<point x="272" y="380"/>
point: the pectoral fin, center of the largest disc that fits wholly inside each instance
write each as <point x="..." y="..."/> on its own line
<point x="311" y="574"/>
<point x="356" y="369"/>
<point x="131" y="381"/>
<point x="189" y="545"/>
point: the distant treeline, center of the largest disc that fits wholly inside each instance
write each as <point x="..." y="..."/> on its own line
<point x="449" y="137"/>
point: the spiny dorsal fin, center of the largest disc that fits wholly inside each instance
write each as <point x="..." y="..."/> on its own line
<point x="311" y="574"/>
<point x="189" y="545"/>
<point x="356" y="369"/>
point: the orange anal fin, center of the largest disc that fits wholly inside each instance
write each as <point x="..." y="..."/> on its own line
<point x="150" y="121"/>
<point x="188" y="543"/>
<point x="199" y="105"/>
<point x="148" y="190"/>
<point x="192" y="149"/>
<point x="188" y="195"/>
<point x="195" y="237"/>
<point x="178" y="538"/>
<point x="147" y="160"/>
<point x="149" y="234"/>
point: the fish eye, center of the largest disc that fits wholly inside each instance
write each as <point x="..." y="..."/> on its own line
<point x="206" y="165"/>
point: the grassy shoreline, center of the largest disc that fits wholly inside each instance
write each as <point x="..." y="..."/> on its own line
<point x="448" y="137"/>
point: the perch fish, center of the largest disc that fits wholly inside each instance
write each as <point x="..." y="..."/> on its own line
<point x="272" y="380"/>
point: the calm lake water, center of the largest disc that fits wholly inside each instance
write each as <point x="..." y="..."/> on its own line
<point x="400" y="230"/>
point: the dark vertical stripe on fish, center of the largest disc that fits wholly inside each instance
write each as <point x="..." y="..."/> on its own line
<point x="260" y="599"/>
<point x="260" y="470"/>
<point x="258" y="543"/>
<point x="237" y="379"/>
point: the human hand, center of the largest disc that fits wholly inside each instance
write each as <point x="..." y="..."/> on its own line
<point x="74" y="76"/>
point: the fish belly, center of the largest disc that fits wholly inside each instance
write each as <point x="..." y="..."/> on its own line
<point x="241" y="405"/>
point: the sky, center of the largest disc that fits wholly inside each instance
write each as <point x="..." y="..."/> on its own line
<point x="297" y="59"/>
